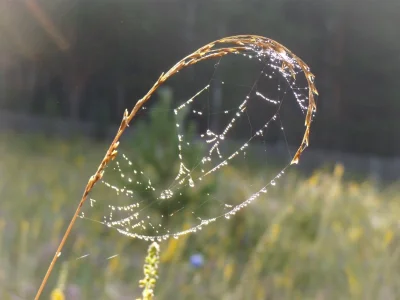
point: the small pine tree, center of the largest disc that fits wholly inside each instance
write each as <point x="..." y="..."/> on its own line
<point x="154" y="149"/>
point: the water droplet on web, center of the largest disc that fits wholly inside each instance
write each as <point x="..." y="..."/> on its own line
<point x="201" y="169"/>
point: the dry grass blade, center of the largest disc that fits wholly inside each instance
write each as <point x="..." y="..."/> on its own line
<point x="219" y="48"/>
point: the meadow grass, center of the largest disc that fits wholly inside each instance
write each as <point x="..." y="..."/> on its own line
<point x="309" y="238"/>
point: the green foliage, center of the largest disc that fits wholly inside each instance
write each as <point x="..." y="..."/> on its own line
<point x="314" y="238"/>
<point x="155" y="140"/>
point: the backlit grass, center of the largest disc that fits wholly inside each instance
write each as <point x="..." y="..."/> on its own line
<point x="308" y="238"/>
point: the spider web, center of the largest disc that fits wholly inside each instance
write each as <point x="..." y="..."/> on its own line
<point x="241" y="105"/>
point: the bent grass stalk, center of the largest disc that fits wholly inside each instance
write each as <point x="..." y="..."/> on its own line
<point x="217" y="49"/>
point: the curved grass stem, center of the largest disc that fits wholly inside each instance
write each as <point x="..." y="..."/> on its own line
<point x="216" y="49"/>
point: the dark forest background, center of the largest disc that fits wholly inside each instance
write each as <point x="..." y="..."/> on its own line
<point x="89" y="60"/>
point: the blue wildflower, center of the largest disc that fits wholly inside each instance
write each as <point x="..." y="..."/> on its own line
<point x="197" y="260"/>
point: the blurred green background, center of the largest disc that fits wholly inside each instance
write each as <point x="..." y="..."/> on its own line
<point x="310" y="237"/>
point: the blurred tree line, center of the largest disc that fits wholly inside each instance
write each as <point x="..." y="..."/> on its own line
<point x="89" y="60"/>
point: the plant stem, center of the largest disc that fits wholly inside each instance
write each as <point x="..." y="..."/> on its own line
<point x="60" y="247"/>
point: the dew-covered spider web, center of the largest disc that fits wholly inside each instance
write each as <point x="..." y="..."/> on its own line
<point x="213" y="140"/>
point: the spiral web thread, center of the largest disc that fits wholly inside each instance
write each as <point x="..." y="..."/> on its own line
<point x="130" y="220"/>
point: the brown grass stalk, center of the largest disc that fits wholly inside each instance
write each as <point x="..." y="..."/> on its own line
<point x="216" y="49"/>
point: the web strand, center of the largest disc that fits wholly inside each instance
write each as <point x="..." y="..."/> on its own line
<point x="138" y="218"/>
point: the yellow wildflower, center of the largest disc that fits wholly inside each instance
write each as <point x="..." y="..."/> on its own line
<point x="338" y="171"/>
<point x="352" y="281"/>
<point x="355" y="233"/>
<point x="57" y="294"/>
<point x="228" y="271"/>
<point x="388" y="237"/>
<point x="313" y="180"/>
<point x="274" y="233"/>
